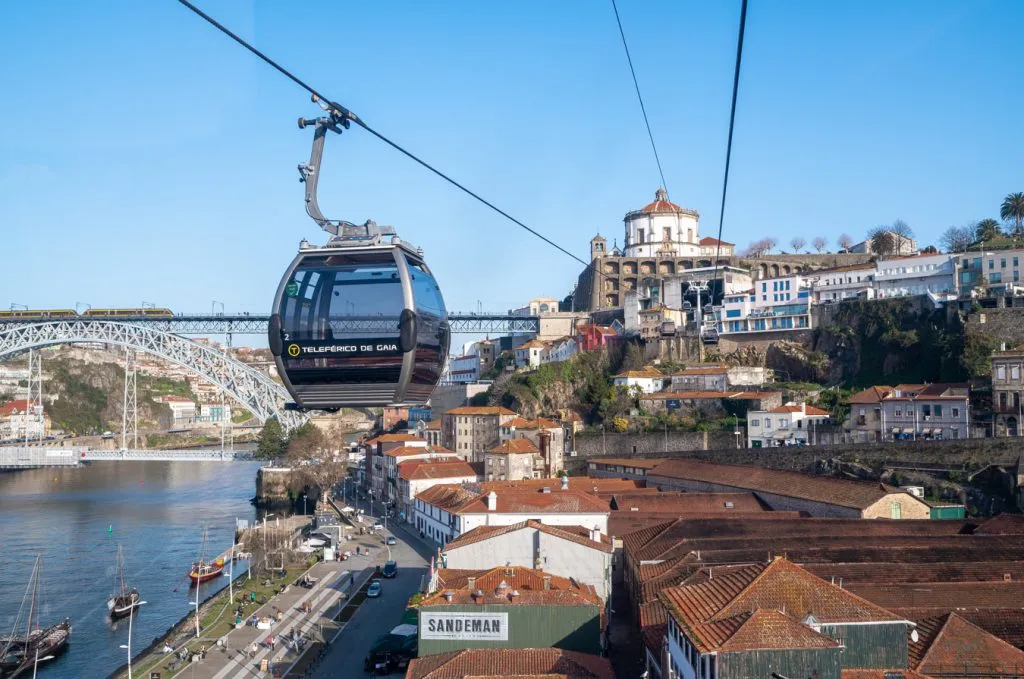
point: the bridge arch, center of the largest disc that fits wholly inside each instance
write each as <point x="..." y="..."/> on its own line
<point x="256" y="392"/>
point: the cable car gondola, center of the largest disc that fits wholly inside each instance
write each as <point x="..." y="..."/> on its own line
<point x="360" y="321"/>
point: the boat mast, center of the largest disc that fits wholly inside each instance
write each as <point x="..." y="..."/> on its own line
<point x="120" y="570"/>
<point x="35" y="590"/>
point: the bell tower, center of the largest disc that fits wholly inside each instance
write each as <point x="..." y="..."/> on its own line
<point x="598" y="247"/>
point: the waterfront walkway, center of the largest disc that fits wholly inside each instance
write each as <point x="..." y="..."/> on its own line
<point x="336" y="582"/>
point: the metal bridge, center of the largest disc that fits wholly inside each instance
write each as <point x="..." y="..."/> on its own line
<point x="253" y="390"/>
<point x="257" y="324"/>
<point x="14" y="458"/>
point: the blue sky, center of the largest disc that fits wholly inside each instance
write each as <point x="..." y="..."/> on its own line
<point x="145" y="157"/>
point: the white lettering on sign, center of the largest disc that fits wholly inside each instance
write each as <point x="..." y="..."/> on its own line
<point x="464" y="626"/>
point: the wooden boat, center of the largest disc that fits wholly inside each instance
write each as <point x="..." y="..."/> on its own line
<point x="18" y="652"/>
<point x="125" y="599"/>
<point x="202" y="571"/>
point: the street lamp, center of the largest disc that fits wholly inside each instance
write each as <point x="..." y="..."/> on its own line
<point x="128" y="647"/>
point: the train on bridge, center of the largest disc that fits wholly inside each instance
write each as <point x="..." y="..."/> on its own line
<point x="145" y="312"/>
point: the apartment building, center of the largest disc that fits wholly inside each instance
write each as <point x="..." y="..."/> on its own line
<point x="1007" y="386"/>
<point x="772" y="304"/>
<point x="927" y="411"/>
<point x="471" y="431"/>
<point x="788" y="425"/>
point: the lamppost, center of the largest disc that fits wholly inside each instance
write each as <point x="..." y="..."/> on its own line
<point x="128" y="647"/>
<point x="35" y="666"/>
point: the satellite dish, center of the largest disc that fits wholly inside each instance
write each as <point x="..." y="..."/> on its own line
<point x="914" y="636"/>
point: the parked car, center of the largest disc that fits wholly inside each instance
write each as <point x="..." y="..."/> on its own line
<point x="374" y="590"/>
<point x="390" y="569"/>
<point x="378" y="526"/>
<point x="391" y="540"/>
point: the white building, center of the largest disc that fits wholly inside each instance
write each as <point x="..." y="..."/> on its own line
<point x="772" y="304"/>
<point x="663" y="228"/>
<point x="1000" y="269"/>
<point x="901" y="245"/>
<point x="788" y="425"/>
<point x="464" y="369"/>
<point x="845" y="282"/>
<point x="916" y="275"/>
<point x="183" y="410"/>
<point x="562" y="350"/>
<point x="574" y="552"/>
<point x="445" y="512"/>
<point x="393" y="457"/>
<point x="417" y="475"/>
<point x="531" y="354"/>
<point x="17" y="423"/>
<point x="648" y="380"/>
<point x="536" y="307"/>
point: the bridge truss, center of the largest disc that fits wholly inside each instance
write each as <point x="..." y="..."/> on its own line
<point x="254" y="390"/>
<point x="243" y="324"/>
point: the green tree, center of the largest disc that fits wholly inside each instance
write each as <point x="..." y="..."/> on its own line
<point x="882" y="241"/>
<point x="987" y="229"/>
<point x="271" y="444"/>
<point x="902" y="234"/>
<point x="1013" y="209"/>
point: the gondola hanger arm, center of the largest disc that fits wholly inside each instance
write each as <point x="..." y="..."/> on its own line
<point x="309" y="173"/>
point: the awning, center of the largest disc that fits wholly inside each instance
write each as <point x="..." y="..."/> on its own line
<point x="908" y="430"/>
<point x="926" y="431"/>
<point x="895" y="430"/>
<point x="782" y="435"/>
<point x="937" y="430"/>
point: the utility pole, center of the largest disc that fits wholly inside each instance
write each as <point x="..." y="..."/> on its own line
<point x="130" y="410"/>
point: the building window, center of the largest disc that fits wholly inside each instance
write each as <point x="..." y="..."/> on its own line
<point x="1001" y="372"/>
<point x="666" y="233"/>
<point x="755" y="423"/>
<point x="991" y="264"/>
<point x="938" y="410"/>
<point x="956" y="412"/>
<point x="767" y="423"/>
<point x="1014" y="372"/>
<point x="1002" y="263"/>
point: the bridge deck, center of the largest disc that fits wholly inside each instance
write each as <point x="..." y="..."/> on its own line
<point x="20" y="457"/>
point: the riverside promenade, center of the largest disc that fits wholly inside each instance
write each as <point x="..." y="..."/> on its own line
<point x="229" y="648"/>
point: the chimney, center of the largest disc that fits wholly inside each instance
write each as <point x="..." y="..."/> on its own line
<point x="803" y="408"/>
<point x="513" y="594"/>
<point x="565" y="483"/>
<point x="501" y="589"/>
<point x="448" y="596"/>
<point x="546" y="489"/>
<point x="595" y="534"/>
<point x="547" y="582"/>
<point x="471" y="584"/>
<point x="492" y="501"/>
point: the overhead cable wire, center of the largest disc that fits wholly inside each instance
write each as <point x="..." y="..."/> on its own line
<point x="347" y="114"/>
<point x="728" y="147"/>
<point x="643" y="109"/>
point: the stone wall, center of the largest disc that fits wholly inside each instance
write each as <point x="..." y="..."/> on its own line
<point x="773" y="266"/>
<point x="272" y="487"/>
<point x="650" y="444"/>
<point x="997" y="325"/>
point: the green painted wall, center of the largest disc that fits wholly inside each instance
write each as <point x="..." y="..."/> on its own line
<point x="948" y="512"/>
<point x="871" y="646"/>
<point x="572" y="628"/>
<point x="796" y="663"/>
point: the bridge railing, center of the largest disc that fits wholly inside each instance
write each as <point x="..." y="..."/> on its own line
<point x="21" y="457"/>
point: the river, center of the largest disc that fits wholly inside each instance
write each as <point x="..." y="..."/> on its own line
<point x="75" y="518"/>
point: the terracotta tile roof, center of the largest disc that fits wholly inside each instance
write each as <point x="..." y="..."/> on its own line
<point x="517" y="422"/>
<point x="708" y="240"/>
<point x="708" y="395"/>
<point x="394" y="438"/>
<point x="871" y="395"/>
<point x="967" y="571"/>
<point x="828" y="490"/>
<point x="433" y="425"/>
<point x="811" y="410"/>
<point x="644" y="463"/>
<point x="766" y="628"/>
<point x="515" y="447"/>
<point x="446" y="496"/>
<point x="1005" y="623"/>
<point x="529" y="584"/>
<point x="510" y="663"/>
<point x="408" y="451"/>
<point x="929" y="392"/>
<point x="716" y="369"/>
<point x="419" y="470"/>
<point x="951" y="643"/>
<point x="687" y="503"/>
<point x="580" y="535"/>
<point x="893" y="673"/>
<point x="715" y="610"/>
<point x="624" y="523"/>
<point x="531" y="502"/>
<point x="582" y="483"/>
<point x="653" y="622"/>
<point x="12" y="407"/>
<point x="637" y="374"/>
<point x="946" y="594"/>
<point x="480" y="410"/>
<point x="540" y="423"/>
<point x="1004" y="524"/>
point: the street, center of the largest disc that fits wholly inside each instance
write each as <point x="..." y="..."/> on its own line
<point x="376" y="617"/>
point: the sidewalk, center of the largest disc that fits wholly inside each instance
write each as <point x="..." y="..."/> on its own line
<point x="232" y="659"/>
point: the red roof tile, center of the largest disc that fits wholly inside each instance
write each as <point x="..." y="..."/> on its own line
<point x="956" y="645"/>
<point x="582" y="483"/>
<point x="893" y="673"/>
<point x="509" y="663"/>
<point x="556" y="502"/>
<point x="12" y="407"/>
<point x="708" y="240"/>
<point x="640" y="462"/>
<point x="1004" y="524"/>
<point x="687" y="503"/>
<point x="515" y="447"/>
<point x="522" y="586"/>
<point x="446" y="496"/>
<point x="871" y="395"/>
<point x="579" y="536"/>
<point x="408" y="451"/>
<point x="480" y="410"/>
<point x="951" y="594"/>
<point x="825" y="489"/>
<point x="769" y="629"/>
<point x="807" y="410"/>
<point x="419" y="470"/>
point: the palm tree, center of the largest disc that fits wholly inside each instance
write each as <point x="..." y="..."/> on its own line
<point x="1013" y="208"/>
<point x="987" y="229"/>
<point x="881" y="240"/>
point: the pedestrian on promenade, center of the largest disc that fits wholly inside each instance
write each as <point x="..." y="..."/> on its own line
<point x="351" y="579"/>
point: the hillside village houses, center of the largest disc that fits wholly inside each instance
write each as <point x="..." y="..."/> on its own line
<point x="17" y="422"/>
<point x="788" y="425"/>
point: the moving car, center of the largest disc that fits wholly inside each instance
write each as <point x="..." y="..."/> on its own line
<point x="374" y="590"/>
<point x="391" y="540"/>
<point x="390" y="569"/>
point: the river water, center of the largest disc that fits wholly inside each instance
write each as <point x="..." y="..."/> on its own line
<point x="75" y="518"/>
